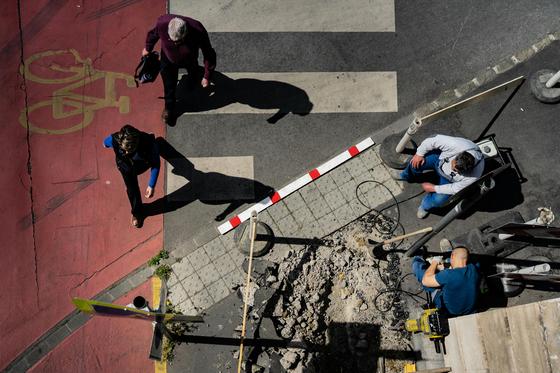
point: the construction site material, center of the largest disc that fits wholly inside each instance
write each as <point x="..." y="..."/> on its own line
<point x="247" y="289"/>
<point x="242" y="238"/>
<point x="375" y="245"/>
<point x="544" y="86"/>
<point x="515" y="340"/>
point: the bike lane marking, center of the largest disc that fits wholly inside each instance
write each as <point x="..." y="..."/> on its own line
<point x="79" y="239"/>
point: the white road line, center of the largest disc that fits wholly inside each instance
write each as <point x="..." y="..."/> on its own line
<point x="297" y="92"/>
<point x="290" y="15"/>
<point x="215" y="179"/>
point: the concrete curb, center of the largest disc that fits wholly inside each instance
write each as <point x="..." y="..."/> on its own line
<point x="485" y="76"/>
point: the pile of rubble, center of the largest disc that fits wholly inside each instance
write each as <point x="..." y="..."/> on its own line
<point x="333" y="298"/>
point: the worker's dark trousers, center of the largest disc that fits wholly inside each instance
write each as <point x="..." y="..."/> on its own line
<point x="170" y="75"/>
<point x="419" y="267"/>
<point x="132" y="189"/>
<point x="431" y="163"/>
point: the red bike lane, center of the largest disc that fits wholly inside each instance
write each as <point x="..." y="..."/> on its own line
<point x="65" y="214"/>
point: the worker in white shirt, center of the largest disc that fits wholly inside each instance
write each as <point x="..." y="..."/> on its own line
<point x="458" y="162"/>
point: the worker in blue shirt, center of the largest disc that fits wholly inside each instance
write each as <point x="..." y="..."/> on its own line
<point x="454" y="290"/>
<point x="135" y="152"/>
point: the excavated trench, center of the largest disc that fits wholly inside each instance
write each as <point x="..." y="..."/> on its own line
<point x="340" y="302"/>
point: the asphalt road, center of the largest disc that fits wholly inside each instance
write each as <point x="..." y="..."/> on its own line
<point x="436" y="46"/>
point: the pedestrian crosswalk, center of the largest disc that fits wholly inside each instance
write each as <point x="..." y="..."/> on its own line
<point x="298" y="93"/>
<point x="290" y="15"/>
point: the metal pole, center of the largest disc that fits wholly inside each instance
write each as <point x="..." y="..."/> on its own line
<point x="461" y="207"/>
<point x="552" y="81"/>
<point x="247" y="284"/>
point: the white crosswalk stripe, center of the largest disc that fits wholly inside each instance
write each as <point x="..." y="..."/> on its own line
<point x="290" y="15"/>
<point x="299" y="93"/>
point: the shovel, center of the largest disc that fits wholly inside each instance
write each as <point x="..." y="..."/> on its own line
<point x="376" y="248"/>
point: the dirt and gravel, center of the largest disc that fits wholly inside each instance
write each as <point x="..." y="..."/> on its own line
<point x="337" y="299"/>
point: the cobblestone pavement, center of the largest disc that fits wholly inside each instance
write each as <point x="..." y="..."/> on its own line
<point x="211" y="272"/>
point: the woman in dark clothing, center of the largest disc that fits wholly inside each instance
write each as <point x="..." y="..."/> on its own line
<point x="135" y="152"/>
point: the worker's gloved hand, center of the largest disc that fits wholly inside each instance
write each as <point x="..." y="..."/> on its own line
<point x="437" y="259"/>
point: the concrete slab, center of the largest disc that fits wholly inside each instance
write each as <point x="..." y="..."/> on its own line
<point x="291" y="15"/>
<point x="296" y="92"/>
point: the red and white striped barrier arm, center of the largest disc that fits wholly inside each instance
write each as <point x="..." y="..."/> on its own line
<point x="297" y="184"/>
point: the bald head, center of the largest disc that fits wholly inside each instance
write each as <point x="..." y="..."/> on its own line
<point x="459" y="257"/>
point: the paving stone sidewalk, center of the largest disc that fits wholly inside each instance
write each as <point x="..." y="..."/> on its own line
<point x="211" y="272"/>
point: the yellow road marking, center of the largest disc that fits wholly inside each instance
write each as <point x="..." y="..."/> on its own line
<point x="69" y="101"/>
<point x="160" y="366"/>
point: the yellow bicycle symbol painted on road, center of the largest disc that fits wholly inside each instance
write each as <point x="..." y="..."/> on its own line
<point x="65" y="102"/>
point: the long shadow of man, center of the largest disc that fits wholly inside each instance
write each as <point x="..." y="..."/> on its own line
<point x="260" y="94"/>
<point x="208" y="187"/>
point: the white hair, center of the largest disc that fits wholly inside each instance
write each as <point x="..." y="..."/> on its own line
<point x="177" y="29"/>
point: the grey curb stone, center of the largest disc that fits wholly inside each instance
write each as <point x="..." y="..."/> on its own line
<point x="177" y="294"/>
<point x="348" y="190"/>
<point x="329" y="223"/>
<point x="58" y="336"/>
<point x="278" y="211"/>
<point x="356" y="167"/>
<point x="225" y="264"/>
<point x="344" y="215"/>
<point x="325" y="184"/>
<point x="341" y="175"/>
<point x="202" y="300"/>
<point x="227" y="240"/>
<point x="215" y="248"/>
<point x="313" y="229"/>
<point x="289" y="225"/>
<point x="192" y="284"/>
<point x="218" y="290"/>
<point x="140" y="277"/>
<point x="77" y="320"/>
<point x="182" y="269"/>
<point x="319" y="208"/>
<point x="105" y="297"/>
<point x="234" y="278"/>
<point x="294" y="201"/>
<point x="205" y="236"/>
<point x="303" y="216"/>
<point x="357" y="207"/>
<point x="20" y="366"/>
<point x="208" y="274"/>
<point x="310" y="192"/>
<point x="122" y="288"/>
<point x="198" y="258"/>
<point x="335" y="199"/>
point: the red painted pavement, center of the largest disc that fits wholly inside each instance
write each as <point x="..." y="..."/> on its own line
<point x="82" y="240"/>
<point x="105" y="344"/>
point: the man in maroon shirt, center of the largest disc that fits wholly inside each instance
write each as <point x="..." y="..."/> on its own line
<point x="181" y="38"/>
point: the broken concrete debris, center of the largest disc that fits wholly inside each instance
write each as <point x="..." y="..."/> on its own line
<point x="324" y="297"/>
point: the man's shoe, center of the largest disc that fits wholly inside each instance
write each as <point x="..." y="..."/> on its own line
<point x="396" y="175"/>
<point x="167" y="117"/>
<point x="445" y="245"/>
<point x="136" y="221"/>
<point x="421" y="213"/>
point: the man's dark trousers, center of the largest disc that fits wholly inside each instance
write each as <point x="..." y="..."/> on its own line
<point x="130" y="178"/>
<point x="170" y="76"/>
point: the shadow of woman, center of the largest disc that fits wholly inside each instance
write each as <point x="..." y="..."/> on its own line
<point x="259" y="94"/>
<point x="208" y="187"/>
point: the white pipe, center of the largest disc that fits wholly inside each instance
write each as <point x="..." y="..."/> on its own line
<point x="552" y="81"/>
<point x="414" y="126"/>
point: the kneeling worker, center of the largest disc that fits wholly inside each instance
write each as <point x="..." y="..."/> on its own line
<point x="454" y="290"/>
<point x="459" y="162"/>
